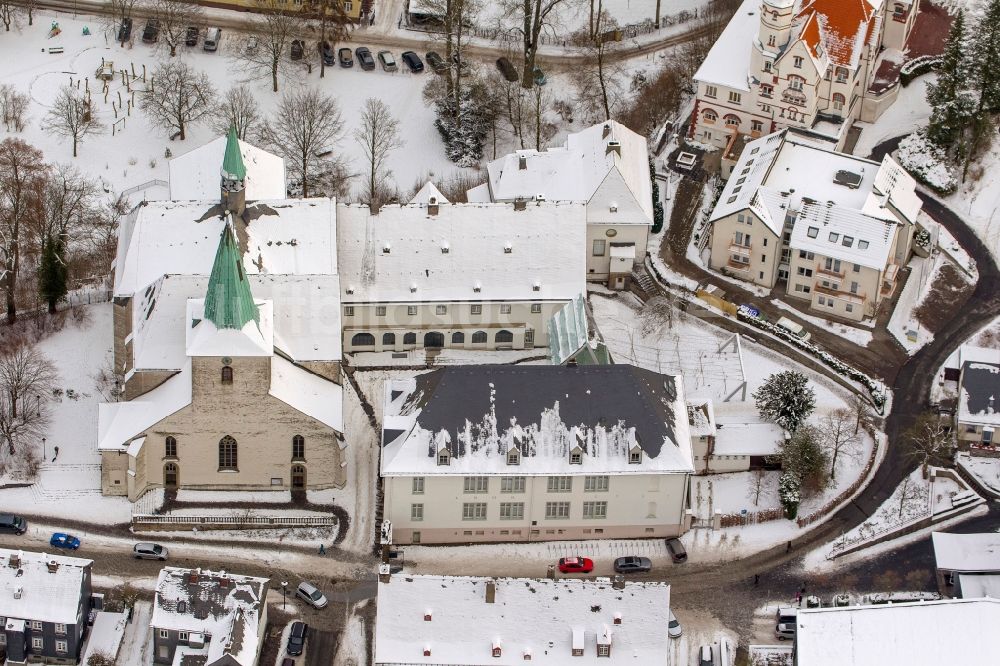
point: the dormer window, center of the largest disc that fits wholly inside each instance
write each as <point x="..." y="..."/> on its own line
<point x="576" y="458"/>
<point x="386" y="249"/>
<point x="635" y="456"/>
<point x="444" y="457"/>
<point x="513" y="457"/>
<point x="507" y="248"/>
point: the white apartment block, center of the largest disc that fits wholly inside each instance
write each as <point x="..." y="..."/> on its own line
<point x="807" y="64"/>
<point x="833" y="228"/>
<point x="432" y="274"/>
<point x="533" y="453"/>
<point x="606" y="167"/>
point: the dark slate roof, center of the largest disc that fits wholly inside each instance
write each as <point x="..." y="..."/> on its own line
<point x="981" y="381"/>
<point x="587" y="395"/>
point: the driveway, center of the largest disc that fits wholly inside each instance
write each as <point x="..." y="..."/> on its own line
<point x="321" y="648"/>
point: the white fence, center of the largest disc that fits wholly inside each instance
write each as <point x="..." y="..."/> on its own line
<point x="234" y="521"/>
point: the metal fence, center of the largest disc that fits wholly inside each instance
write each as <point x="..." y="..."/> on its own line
<point x="240" y="521"/>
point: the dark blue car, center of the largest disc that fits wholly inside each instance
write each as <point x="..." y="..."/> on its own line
<point x="67" y="541"/>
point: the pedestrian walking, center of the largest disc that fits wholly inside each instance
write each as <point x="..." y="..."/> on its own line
<point x="788" y="548"/>
<point x="798" y="599"/>
<point x="322" y="549"/>
<point x="756" y="579"/>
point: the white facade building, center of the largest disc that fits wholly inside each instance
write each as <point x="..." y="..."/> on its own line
<point x="533" y="453"/>
<point x="472" y="621"/>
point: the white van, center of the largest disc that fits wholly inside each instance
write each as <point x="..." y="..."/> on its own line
<point x="212" y="39"/>
<point x="793" y="328"/>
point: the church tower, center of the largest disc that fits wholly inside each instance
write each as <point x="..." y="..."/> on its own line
<point x="234" y="176"/>
<point x="228" y="301"/>
<point x="775" y="24"/>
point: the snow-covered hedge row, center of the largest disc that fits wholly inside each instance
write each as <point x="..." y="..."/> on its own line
<point x="927" y="163"/>
<point x="911" y="69"/>
<point x="744" y="314"/>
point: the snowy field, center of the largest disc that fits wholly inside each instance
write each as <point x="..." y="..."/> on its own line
<point x="570" y="17"/>
<point x="987" y="470"/>
<point x="908" y="113"/>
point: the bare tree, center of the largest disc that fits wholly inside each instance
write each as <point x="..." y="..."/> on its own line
<point x="10" y="12"/>
<point x="179" y="95"/>
<point x="453" y="34"/>
<point x="13" y="106"/>
<point x="274" y="31"/>
<point x="72" y="116"/>
<point x="307" y="125"/>
<point x="862" y="412"/>
<point x="656" y="313"/>
<point x="238" y="109"/>
<point x="102" y="232"/>
<point x="117" y="11"/>
<point x="534" y="17"/>
<point x="542" y="101"/>
<point x="837" y="431"/>
<point x="378" y="135"/>
<point x="599" y="82"/>
<point x="333" y="21"/>
<point x="22" y="179"/>
<point x="757" y="484"/>
<point x="175" y="16"/>
<point x="927" y="441"/>
<point x="26" y="380"/>
<point x="70" y="206"/>
<point x="909" y="492"/>
<point x="29" y="9"/>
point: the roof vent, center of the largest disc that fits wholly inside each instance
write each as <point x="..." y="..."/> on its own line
<point x="614" y="207"/>
<point x="18" y="592"/>
<point x="428" y="614"/>
<point x="527" y="654"/>
<point x="52" y="566"/>
<point x="539" y="197"/>
<point x="477" y="287"/>
<point x="536" y="286"/>
<point x="618" y="582"/>
<point x="427" y="650"/>
<point x="445" y="247"/>
<point x="507" y="248"/>
<point x="520" y="204"/>
<point x="193" y="576"/>
<point x="432" y="200"/>
<point x="847" y="179"/>
<point x="614" y="147"/>
<point x="15" y="560"/>
<point x="413" y="288"/>
<point x="522" y="162"/>
<point x="350" y="290"/>
<point x="606" y="130"/>
<point x="491" y="592"/>
<point x="387" y="248"/>
<point x="432" y="207"/>
<point x="618" y="618"/>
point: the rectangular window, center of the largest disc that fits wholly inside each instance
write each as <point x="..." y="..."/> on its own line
<point x="477" y="484"/>
<point x="821" y="300"/>
<point x="183" y="636"/>
<point x="767" y="65"/>
<point x="529" y="337"/>
<point x="862" y="245"/>
<point x="560" y="484"/>
<point x="595" y="484"/>
<point x="849" y="307"/>
<point x="164" y="633"/>
<point x="595" y="510"/>
<point x="298" y="448"/>
<point x="505" y="309"/>
<point x="576" y="459"/>
<point x="416" y="512"/>
<point x="474" y="511"/>
<point x="36" y="643"/>
<point x="171" y="448"/>
<point x="557" y="510"/>
<point x="227" y="453"/>
<point x="536" y="308"/>
<point x="857" y="267"/>
<point x="765" y="242"/>
<point x="599" y="247"/>
<point x="3" y="638"/>
<point x="734" y="97"/>
<point x="854" y="287"/>
<point x="418" y="485"/>
<point x="756" y="126"/>
<point x="511" y="510"/>
<point x="512" y="484"/>
<point x="635" y="457"/>
<point x="834" y="237"/>
<point x="477" y="309"/>
<point x="711" y="91"/>
<point x="411" y="310"/>
<point x="379" y="310"/>
<point x="765" y="108"/>
<point x="440" y="309"/>
<point x="808" y="272"/>
<point x="348" y="310"/>
<point x="797" y="62"/>
<point x="61" y="629"/>
<point x="36" y="625"/>
<point x="812" y="232"/>
<point x="444" y="458"/>
<point x="848" y="241"/>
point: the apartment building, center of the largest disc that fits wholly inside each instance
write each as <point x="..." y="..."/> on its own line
<point x="44" y="602"/>
<point x="834" y="229"/>
<point x="532" y="453"/>
<point x="807" y="64"/>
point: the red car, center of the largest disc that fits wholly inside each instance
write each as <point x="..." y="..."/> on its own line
<point x="575" y="565"/>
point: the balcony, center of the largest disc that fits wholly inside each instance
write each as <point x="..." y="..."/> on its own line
<point x="793" y="96"/>
<point x="858" y="298"/>
<point x="737" y="266"/>
<point x="821" y="268"/>
<point x="738" y="248"/>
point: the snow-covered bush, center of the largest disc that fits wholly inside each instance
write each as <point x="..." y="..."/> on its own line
<point x="927" y="163"/>
<point x="918" y="66"/>
<point x="464" y="144"/>
<point x="790" y="494"/>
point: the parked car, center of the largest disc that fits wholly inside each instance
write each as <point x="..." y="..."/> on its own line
<point x="287" y="661"/>
<point x="365" y="59"/>
<point x="327" y="52"/>
<point x="298" y="49"/>
<point x="539" y="76"/>
<point x="412" y="61"/>
<point x="125" y="30"/>
<point x="311" y="595"/>
<point x="191" y="36"/>
<point x="575" y="565"/>
<point x="436" y="62"/>
<point x="677" y="551"/>
<point x="674" y="629"/>
<point x="633" y="564"/>
<point x="63" y="540"/>
<point x="387" y="61"/>
<point x="149" y="551"/>
<point x="297" y="638"/>
<point x="705" y="656"/>
<point x="152" y="31"/>
<point x="786" y="615"/>
<point x="212" y="38"/>
<point x="346" y="57"/>
<point x="795" y="329"/>
<point x="784" y="631"/>
<point x="11" y="524"/>
<point x="508" y="70"/>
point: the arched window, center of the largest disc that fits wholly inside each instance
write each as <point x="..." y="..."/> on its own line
<point x="227" y="374"/>
<point x="504" y="336"/>
<point x="170" y="475"/>
<point x="458" y="338"/>
<point x="298" y="447"/>
<point x="479" y="338"/>
<point x="388" y="338"/>
<point x="732" y="121"/>
<point x="227" y="453"/>
<point x="170" y="448"/>
<point x="363" y="340"/>
<point x="795" y="82"/>
<point x="838" y="101"/>
<point x="409" y="338"/>
<point x="709" y="116"/>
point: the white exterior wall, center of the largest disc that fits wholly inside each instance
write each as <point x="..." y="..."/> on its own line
<point x="764" y="259"/>
<point x="599" y="259"/>
<point x="861" y="305"/>
<point x="638" y="505"/>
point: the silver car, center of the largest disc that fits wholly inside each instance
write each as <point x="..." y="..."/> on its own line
<point x="149" y="551"/>
<point x="311" y="595"/>
<point x="674" y="629"/>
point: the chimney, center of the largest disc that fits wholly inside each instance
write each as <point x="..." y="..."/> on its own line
<point x="18" y="592"/>
<point x="527" y="654"/>
<point x="193" y="576"/>
<point x="606" y="131"/>
<point x="614" y="147"/>
<point x="618" y="582"/>
<point x="432" y="206"/>
<point x="15" y="560"/>
<point x="520" y="204"/>
<point x="427" y="650"/>
<point x="491" y="591"/>
<point x="445" y="247"/>
<point x="522" y="162"/>
<point x="384" y="573"/>
<point x="497" y="651"/>
<point x="428" y="614"/>
<point x="618" y="618"/>
<point x="223" y="580"/>
<point x="52" y="565"/>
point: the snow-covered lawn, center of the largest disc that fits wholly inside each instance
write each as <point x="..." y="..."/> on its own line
<point x="907" y="113"/>
<point x="903" y="324"/>
<point x="978" y="199"/>
<point x="986" y="470"/>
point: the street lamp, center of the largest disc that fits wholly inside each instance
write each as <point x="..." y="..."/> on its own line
<point x="43" y="449"/>
<point x="284" y="588"/>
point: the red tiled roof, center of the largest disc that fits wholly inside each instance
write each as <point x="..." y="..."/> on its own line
<point x="842" y="25"/>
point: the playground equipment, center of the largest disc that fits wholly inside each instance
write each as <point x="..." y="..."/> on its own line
<point x="106" y="71"/>
<point x="55" y="30"/>
<point x="86" y="30"/>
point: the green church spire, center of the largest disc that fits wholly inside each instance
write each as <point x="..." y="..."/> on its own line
<point x="229" y="302"/>
<point x="232" y="163"/>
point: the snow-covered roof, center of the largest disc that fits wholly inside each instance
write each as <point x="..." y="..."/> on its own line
<point x="967" y="552"/>
<point x="119" y="422"/>
<point x="426" y="193"/>
<point x="747" y="439"/>
<point x="196" y="175"/>
<point x="465" y="252"/>
<point x="542" y="618"/>
<point x="893" y="187"/>
<point x="728" y="61"/>
<point x="930" y="633"/>
<point x="979" y="390"/>
<point x="307" y="392"/>
<point x="105" y="636"/>
<point x="977" y="586"/>
<point x="841" y="27"/>
<point x="31" y="589"/>
<point x="287" y="237"/>
<point x="701" y="418"/>
<point x="843" y="233"/>
<point x="478" y="413"/>
<point x="204" y="338"/>
<point x="225" y="607"/>
<point x="601" y="165"/>
<point x="479" y="194"/>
